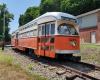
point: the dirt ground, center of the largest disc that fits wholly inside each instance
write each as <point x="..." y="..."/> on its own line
<point x="9" y="72"/>
<point x="89" y="53"/>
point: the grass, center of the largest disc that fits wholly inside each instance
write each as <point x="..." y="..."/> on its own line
<point x="84" y="46"/>
<point x="30" y="66"/>
<point x="90" y="53"/>
<point x="7" y="59"/>
<point x="9" y="70"/>
<point x="37" y="77"/>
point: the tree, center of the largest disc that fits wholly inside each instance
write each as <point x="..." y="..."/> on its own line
<point x="30" y="14"/>
<point x="21" y="20"/>
<point x="49" y="6"/>
<point x="77" y="7"/>
<point x="8" y="18"/>
<point x="74" y="7"/>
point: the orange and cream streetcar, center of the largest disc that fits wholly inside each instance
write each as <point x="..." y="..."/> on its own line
<point x="52" y="34"/>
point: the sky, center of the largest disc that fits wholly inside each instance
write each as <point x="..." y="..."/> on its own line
<point x="17" y="7"/>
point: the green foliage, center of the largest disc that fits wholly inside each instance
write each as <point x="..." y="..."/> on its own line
<point x="49" y="6"/>
<point x="90" y="53"/>
<point x="31" y="65"/>
<point x="74" y="7"/>
<point x="30" y="14"/>
<point x="6" y="59"/>
<point x="38" y="77"/>
<point x="10" y="64"/>
<point x="33" y="12"/>
<point x="85" y="46"/>
<point x="77" y="7"/>
<point x="8" y="18"/>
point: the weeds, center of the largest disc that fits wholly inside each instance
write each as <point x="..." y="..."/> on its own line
<point x="90" y="53"/>
<point x="6" y="59"/>
<point x="30" y="66"/>
<point x="9" y="64"/>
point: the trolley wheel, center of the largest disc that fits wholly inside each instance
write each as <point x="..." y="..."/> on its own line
<point x="77" y="58"/>
<point x="30" y="52"/>
<point x="38" y="56"/>
<point x="64" y="56"/>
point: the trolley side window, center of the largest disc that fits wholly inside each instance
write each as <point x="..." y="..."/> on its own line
<point x="39" y="30"/>
<point x="43" y="29"/>
<point x="47" y="29"/>
<point x="52" y="31"/>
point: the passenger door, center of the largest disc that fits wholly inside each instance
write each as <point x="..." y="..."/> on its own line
<point x="46" y="39"/>
<point x="41" y="38"/>
<point x="49" y="39"/>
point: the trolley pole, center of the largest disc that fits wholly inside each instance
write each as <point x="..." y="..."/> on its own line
<point x="3" y="30"/>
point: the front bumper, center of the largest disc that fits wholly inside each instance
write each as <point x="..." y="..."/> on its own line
<point x="67" y="51"/>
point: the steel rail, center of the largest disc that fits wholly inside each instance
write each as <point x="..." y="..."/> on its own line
<point x="91" y="65"/>
<point x="80" y="73"/>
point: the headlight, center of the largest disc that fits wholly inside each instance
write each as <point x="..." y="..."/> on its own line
<point x="73" y="43"/>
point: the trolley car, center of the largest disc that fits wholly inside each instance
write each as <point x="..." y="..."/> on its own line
<point x="52" y="34"/>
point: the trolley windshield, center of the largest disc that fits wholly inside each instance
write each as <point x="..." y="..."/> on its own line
<point x="66" y="29"/>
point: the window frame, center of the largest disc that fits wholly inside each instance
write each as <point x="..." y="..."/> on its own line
<point x="54" y="28"/>
<point x="46" y="28"/>
<point x="68" y="29"/>
<point x="44" y="24"/>
<point x="39" y="34"/>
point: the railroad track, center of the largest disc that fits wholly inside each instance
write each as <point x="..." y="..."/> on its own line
<point x="79" y="73"/>
<point x="84" y="75"/>
<point x="88" y="64"/>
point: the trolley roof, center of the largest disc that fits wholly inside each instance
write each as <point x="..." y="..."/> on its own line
<point x="55" y="15"/>
<point x="46" y="17"/>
